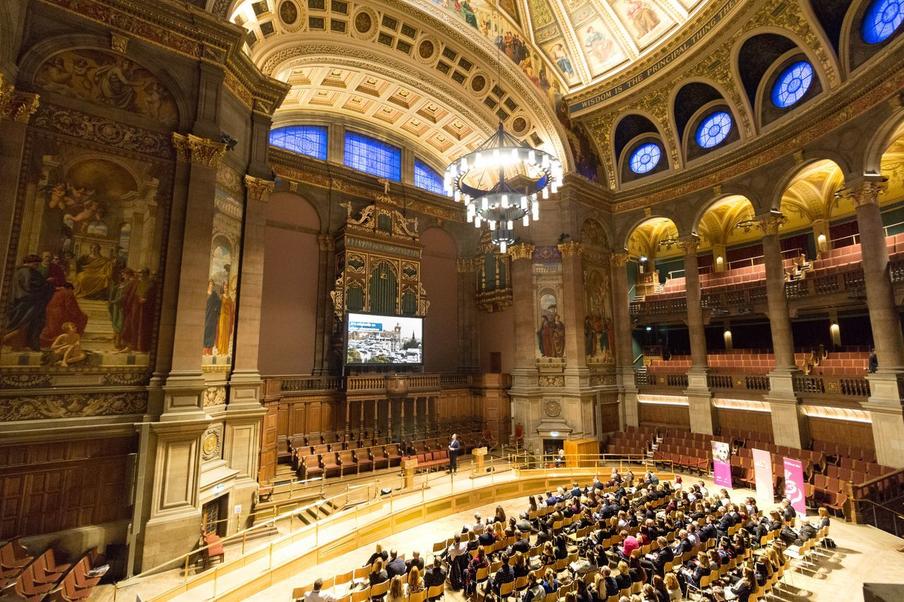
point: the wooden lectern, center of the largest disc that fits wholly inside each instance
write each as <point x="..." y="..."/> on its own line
<point x="408" y="467"/>
<point x="478" y="453"/>
<point x="581" y="452"/>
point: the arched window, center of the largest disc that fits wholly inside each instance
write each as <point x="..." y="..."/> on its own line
<point x="791" y="85"/>
<point x="882" y="20"/>
<point x="713" y="130"/>
<point x="373" y="156"/>
<point x="304" y="139"/>
<point x="427" y="178"/>
<point x="645" y="158"/>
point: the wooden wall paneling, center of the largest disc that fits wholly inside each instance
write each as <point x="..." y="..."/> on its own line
<point x="858" y="434"/>
<point x="666" y="415"/>
<point x="269" y="444"/>
<point x="745" y="420"/>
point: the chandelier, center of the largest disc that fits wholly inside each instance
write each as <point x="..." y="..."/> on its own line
<point x="502" y="181"/>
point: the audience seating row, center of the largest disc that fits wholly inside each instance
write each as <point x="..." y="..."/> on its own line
<point x="43" y="576"/>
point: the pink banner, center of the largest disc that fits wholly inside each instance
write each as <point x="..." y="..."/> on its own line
<point x="794" y="485"/>
<point x="721" y="464"/>
<point x="762" y="470"/>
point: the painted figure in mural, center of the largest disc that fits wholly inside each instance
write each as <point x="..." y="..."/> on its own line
<point x="138" y="320"/>
<point x="545" y="337"/>
<point x="644" y="18"/>
<point x="561" y="58"/>
<point x="31" y="292"/>
<point x="119" y="292"/>
<point x="227" y="317"/>
<point x="94" y="273"/>
<point x="211" y="317"/>
<point x="558" y="336"/>
<point x="589" y="338"/>
<point x="66" y="348"/>
<point x="62" y="309"/>
<point x="598" y="46"/>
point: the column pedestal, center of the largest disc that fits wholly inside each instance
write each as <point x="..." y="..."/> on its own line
<point x="884" y="407"/>
<point x="699" y="400"/>
<point x="789" y="424"/>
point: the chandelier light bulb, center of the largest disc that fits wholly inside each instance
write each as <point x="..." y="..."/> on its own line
<point x="492" y="225"/>
<point x="535" y="212"/>
<point x="510" y="225"/>
<point x="477" y="221"/>
<point x="525" y="221"/>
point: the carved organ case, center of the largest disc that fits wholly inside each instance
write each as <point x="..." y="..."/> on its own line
<point x="378" y="265"/>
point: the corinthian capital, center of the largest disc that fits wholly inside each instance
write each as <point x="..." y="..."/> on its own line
<point x="570" y="248"/>
<point x="198" y="150"/>
<point x="770" y="222"/>
<point x="259" y="189"/>
<point x="689" y="243"/>
<point x="619" y="259"/>
<point x="17" y="106"/>
<point x="865" y="191"/>
<point x="521" y="250"/>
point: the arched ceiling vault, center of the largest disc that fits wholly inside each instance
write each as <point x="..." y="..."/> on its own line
<point x="403" y="65"/>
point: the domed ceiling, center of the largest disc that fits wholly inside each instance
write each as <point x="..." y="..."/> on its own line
<point x="583" y="41"/>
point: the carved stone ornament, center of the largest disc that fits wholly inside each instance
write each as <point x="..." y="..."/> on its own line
<point x="72" y="405"/>
<point x="620" y="259"/>
<point x="212" y="443"/>
<point x="521" y="250"/>
<point x="17" y="106"/>
<point x="552" y="408"/>
<point x="865" y="192"/>
<point x="770" y="222"/>
<point x="570" y="248"/>
<point x="198" y="150"/>
<point x="214" y="396"/>
<point x="689" y="243"/>
<point x="258" y="188"/>
<point x="551" y="381"/>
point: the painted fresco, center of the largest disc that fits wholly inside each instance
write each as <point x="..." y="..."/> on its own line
<point x="220" y="308"/>
<point x="108" y="79"/>
<point x="602" y="51"/>
<point x="84" y="291"/>
<point x="644" y="20"/>
<point x="551" y="334"/>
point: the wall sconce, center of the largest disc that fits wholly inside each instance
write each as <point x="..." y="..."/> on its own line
<point x="835" y="332"/>
<point x="729" y="343"/>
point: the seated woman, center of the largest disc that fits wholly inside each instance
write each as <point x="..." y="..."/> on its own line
<point x="741" y="590"/>
<point x="548" y="555"/>
<point x="414" y="581"/>
<point x="396" y="590"/>
<point x="520" y="566"/>
<point x="698" y="569"/>
<point x="623" y="579"/>
<point x="478" y="562"/>
<point x="550" y="582"/>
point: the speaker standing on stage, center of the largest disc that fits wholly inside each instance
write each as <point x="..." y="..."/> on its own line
<point x="454" y="448"/>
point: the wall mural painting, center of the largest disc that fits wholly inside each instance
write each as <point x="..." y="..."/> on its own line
<point x="84" y="292"/>
<point x="645" y="20"/>
<point x="551" y="335"/>
<point x="599" y="334"/>
<point x="219" y="312"/>
<point x="108" y="79"/>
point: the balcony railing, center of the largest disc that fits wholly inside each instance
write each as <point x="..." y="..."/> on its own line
<point x="804" y="385"/>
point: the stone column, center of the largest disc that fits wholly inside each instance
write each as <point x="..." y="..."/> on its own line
<point x="789" y="425"/>
<point x="16" y="109"/>
<point x="468" y="341"/>
<point x="573" y="307"/>
<point x="325" y="311"/>
<point x="884" y="403"/>
<point x="621" y="315"/>
<point x="525" y="391"/>
<point x="699" y="397"/>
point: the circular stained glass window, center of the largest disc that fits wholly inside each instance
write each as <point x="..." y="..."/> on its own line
<point x="645" y="158"/>
<point x="792" y="84"/>
<point x="882" y="20"/>
<point x="714" y="129"/>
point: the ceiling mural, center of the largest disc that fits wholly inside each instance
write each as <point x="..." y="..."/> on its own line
<point x="582" y="41"/>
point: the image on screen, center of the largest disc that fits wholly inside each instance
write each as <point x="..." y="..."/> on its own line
<point x="372" y="339"/>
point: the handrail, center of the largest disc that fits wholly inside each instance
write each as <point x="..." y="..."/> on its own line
<point x="895" y="516"/>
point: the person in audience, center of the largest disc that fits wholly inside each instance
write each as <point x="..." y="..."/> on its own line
<point x="673" y="587"/>
<point x="629" y="544"/>
<point x="378" y="574"/>
<point x="698" y="569"/>
<point x="457" y="555"/>
<point x="316" y="594"/>
<point x="606" y="584"/>
<point x="788" y="511"/>
<point x="550" y="582"/>
<point x="505" y="574"/>
<point x="396" y="590"/>
<point x="520" y="568"/>
<point x="742" y="589"/>
<point x="624" y="578"/>
<point x="416" y="561"/>
<point x="500" y="515"/>
<point x="583" y="592"/>
<point x="435" y="575"/>
<point x="414" y="581"/>
<point x="396" y="565"/>
<point x="823" y="517"/>
<point x="478" y="527"/>
<point x="535" y="591"/>
<point x="479" y="561"/>
<point x="379" y="553"/>
<point x="648" y="593"/>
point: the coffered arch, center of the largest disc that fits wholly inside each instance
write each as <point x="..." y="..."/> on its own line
<point x="403" y="47"/>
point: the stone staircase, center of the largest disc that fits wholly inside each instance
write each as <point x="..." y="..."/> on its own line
<point x="99" y="328"/>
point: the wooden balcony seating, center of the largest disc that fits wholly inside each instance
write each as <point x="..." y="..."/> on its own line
<point x="311" y="468"/>
<point x="82" y="578"/>
<point x="13" y="560"/>
<point x="380" y="458"/>
<point x="365" y="460"/>
<point x="331" y="465"/>
<point x="347" y="462"/>
<point x="40" y="577"/>
<point x="394" y="454"/>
